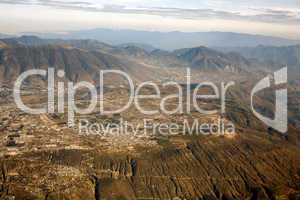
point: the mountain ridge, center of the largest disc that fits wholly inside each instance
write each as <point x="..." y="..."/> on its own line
<point x="169" y="40"/>
<point x="198" y="57"/>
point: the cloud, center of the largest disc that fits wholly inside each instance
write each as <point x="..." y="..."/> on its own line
<point x="64" y="3"/>
<point x="22" y="2"/>
<point x="282" y="16"/>
<point x="55" y="3"/>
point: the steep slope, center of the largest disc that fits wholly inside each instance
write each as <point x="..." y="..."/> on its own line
<point x="145" y="47"/>
<point x="205" y="58"/>
<point x="78" y="64"/>
<point x="131" y="51"/>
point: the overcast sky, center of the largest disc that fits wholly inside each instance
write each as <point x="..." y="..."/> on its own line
<point x="269" y="17"/>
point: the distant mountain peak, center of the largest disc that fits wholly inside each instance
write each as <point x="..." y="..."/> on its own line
<point x="174" y="40"/>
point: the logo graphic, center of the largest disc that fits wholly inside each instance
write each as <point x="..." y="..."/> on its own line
<point x="280" y="120"/>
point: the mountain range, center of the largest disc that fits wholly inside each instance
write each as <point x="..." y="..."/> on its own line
<point x="53" y="161"/>
<point x="82" y="59"/>
<point x="172" y="40"/>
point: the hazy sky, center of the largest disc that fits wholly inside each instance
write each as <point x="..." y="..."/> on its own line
<point x="269" y="17"/>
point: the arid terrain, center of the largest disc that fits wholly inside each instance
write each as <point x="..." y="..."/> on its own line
<point x="42" y="157"/>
